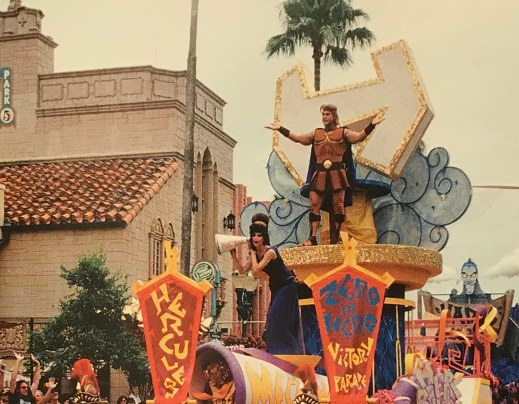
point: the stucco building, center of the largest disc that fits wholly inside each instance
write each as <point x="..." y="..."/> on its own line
<point x="93" y="160"/>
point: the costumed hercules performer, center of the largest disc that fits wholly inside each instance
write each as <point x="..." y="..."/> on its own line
<point x="334" y="172"/>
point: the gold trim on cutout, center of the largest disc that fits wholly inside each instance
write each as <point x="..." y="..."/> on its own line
<point x="307" y="94"/>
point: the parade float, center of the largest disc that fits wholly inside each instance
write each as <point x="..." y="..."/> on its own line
<point x="362" y="342"/>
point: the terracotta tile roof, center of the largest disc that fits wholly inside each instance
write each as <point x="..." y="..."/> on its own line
<point x="110" y="191"/>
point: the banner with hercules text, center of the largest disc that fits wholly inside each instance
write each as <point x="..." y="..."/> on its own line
<point x="171" y="306"/>
<point x="348" y="302"/>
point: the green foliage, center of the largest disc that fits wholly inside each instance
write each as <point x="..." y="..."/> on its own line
<point x="91" y="324"/>
<point x="329" y="27"/>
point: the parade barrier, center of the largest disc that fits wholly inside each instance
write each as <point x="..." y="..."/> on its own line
<point x="253" y="376"/>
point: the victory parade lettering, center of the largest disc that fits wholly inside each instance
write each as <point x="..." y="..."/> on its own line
<point x="351" y="359"/>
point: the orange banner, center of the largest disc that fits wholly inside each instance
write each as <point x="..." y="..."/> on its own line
<point x="171" y="306"/>
<point x="348" y="303"/>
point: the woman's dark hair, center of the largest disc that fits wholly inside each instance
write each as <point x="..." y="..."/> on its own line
<point x="19" y="383"/>
<point x="260" y="222"/>
<point x="121" y="398"/>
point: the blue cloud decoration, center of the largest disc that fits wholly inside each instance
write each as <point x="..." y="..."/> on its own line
<point x="413" y="210"/>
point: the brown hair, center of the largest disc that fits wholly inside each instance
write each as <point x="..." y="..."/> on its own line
<point x="333" y="109"/>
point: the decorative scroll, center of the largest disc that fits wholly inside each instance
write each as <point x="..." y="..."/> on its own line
<point x="171" y="306"/>
<point x="429" y="195"/>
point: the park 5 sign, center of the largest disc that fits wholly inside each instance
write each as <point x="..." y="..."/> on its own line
<point x="7" y="112"/>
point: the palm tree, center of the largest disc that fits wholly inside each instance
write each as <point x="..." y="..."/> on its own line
<point x="330" y="27"/>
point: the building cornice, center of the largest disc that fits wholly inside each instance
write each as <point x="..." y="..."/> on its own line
<point x="136" y="106"/>
<point x="132" y="69"/>
<point x="20" y="37"/>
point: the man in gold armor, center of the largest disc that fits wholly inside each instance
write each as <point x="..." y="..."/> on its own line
<point x="330" y="178"/>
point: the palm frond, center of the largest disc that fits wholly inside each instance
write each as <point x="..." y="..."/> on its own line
<point x="338" y="55"/>
<point x="331" y="27"/>
<point x="280" y="44"/>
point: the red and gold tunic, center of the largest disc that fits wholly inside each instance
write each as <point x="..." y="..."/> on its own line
<point x="330" y="174"/>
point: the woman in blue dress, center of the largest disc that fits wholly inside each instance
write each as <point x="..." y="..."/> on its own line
<point x="283" y="334"/>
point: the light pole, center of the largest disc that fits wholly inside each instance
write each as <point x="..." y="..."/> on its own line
<point x="245" y="287"/>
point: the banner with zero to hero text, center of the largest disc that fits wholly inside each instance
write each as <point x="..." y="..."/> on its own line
<point x="348" y="302"/>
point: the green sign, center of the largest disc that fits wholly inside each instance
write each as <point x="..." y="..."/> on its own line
<point x="7" y="112"/>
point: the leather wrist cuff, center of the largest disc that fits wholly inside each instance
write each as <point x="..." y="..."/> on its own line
<point x="368" y="129"/>
<point x="284" y="131"/>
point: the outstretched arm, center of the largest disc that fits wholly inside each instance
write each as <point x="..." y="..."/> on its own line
<point x="2" y="373"/>
<point x="36" y="376"/>
<point x="305" y="139"/>
<point x="51" y="386"/>
<point x="14" y="371"/>
<point x="356" y="137"/>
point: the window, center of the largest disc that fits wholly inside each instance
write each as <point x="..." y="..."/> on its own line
<point x="157" y="236"/>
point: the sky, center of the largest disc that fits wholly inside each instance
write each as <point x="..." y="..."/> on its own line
<point x="465" y="51"/>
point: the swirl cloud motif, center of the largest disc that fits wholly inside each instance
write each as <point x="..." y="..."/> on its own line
<point x="429" y="196"/>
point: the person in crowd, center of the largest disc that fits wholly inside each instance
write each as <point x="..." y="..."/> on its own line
<point x="67" y="398"/>
<point x="134" y="393"/>
<point x="122" y="400"/>
<point x="83" y="371"/>
<point x="283" y="330"/>
<point x="330" y="178"/>
<point x="5" y="391"/>
<point x="54" y="397"/>
<point x="39" y="397"/>
<point x="5" y="395"/>
<point x="20" y="391"/>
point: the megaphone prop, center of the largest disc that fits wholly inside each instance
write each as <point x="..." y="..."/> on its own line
<point x="225" y="242"/>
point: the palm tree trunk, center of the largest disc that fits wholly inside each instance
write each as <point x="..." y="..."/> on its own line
<point x="317" y="55"/>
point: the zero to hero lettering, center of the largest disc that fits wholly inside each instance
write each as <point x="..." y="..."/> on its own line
<point x="349" y="325"/>
<point x="349" y="289"/>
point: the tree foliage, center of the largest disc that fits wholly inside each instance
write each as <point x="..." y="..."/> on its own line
<point x="91" y="324"/>
<point x="329" y="27"/>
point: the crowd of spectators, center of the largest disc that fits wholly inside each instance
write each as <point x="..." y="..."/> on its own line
<point x="20" y="391"/>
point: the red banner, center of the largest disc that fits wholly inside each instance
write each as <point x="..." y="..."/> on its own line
<point x="171" y="306"/>
<point x="348" y="303"/>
